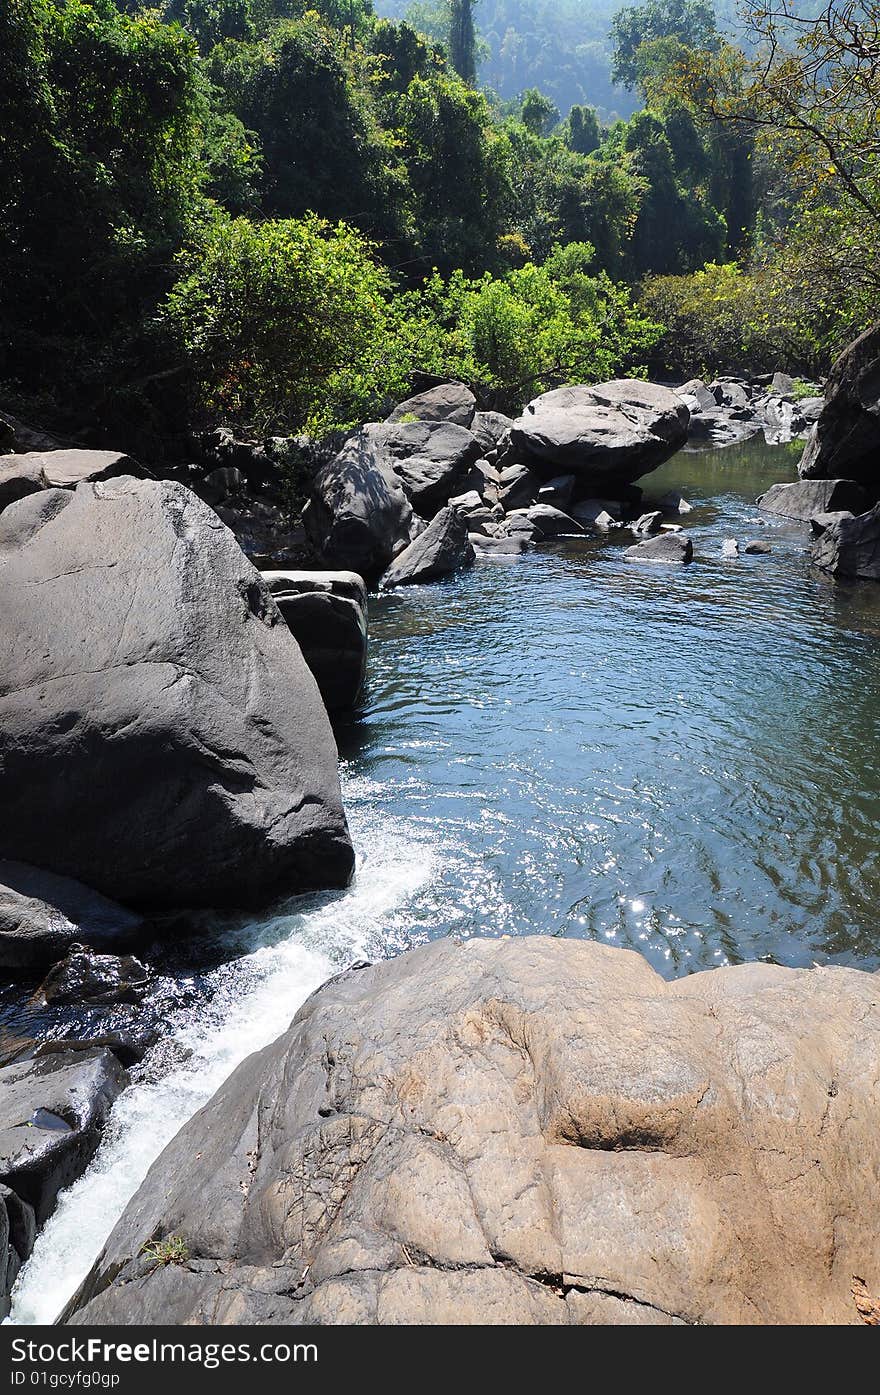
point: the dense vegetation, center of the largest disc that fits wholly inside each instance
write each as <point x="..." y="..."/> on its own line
<point x="287" y="216"/>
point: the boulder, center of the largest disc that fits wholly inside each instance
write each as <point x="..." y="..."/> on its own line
<point x="665" y="547"/>
<point x="444" y="547"/>
<point x="429" y="458"/>
<point x="757" y="547"/>
<point x="17" y="436"/>
<point x="732" y="393"/>
<point x="525" y="1131"/>
<point x="845" y="441"/>
<point x="851" y="546"/>
<point x="615" y="431"/>
<point x="18" y="1231"/>
<point x="91" y="979"/>
<point x="161" y="736"/>
<point x="449" y="402"/>
<point x="358" y="515"/>
<point x="42" y="915"/>
<point x="782" y="385"/>
<point x="647" y="523"/>
<point x="730" y="548"/>
<point x="66" y="468"/>
<point x="595" y="511"/>
<point x="697" y="396"/>
<point x="545" y="521"/>
<point x="490" y="428"/>
<point x="518" y="486"/>
<point x="673" y="502"/>
<point x="804" y="498"/>
<point x="500" y="546"/>
<point x="52" y="1112"/>
<point x="820" y="521"/>
<point x="557" y="491"/>
<point x="327" y="614"/>
<point x="783" y="421"/>
<point x="20" y="475"/>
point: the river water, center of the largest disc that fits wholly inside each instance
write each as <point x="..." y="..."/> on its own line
<point x="679" y="760"/>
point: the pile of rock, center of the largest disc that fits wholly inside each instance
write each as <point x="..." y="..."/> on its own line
<point x="421" y="494"/>
<point x="525" y="1131"/>
<point x="729" y="411"/>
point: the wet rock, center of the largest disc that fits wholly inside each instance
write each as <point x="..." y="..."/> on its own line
<point x="730" y="548"/>
<point x="615" y="431"/>
<point x="327" y="614"/>
<point x="449" y="402"/>
<point x="92" y="979"/>
<point x="805" y="498"/>
<point x="757" y="547"/>
<point x="358" y="515"/>
<point x="17" y="1234"/>
<point x="444" y="547"/>
<point x="845" y="441"/>
<point x="526" y="1131"/>
<point x="161" y="736"/>
<point x="851" y="546"/>
<point x="129" y="1044"/>
<point x="673" y="502"/>
<point x="42" y="915"/>
<point x="600" y="513"/>
<point x="647" y="524"/>
<point x="666" y="547"/>
<point x="503" y="546"/>
<point x="52" y="1112"/>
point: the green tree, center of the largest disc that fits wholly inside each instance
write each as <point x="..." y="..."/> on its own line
<point x="584" y="135"/>
<point x="463" y="40"/>
<point x="691" y="22"/>
<point x="538" y="114"/>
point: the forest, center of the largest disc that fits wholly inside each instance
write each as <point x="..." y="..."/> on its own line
<point x="284" y="215"/>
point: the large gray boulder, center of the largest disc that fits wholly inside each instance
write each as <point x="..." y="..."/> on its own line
<point x="20" y="475"/>
<point x="845" y="442"/>
<point x="851" y="546"/>
<point x="327" y="614"/>
<point x="358" y="515"/>
<point x="42" y="915"/>
<point x="66" y="468"/>
<point x="615" y="431"/>
<point x="449" y="402"/>
<point x="430" y="458"/>
<point x="161" y="736"/>
<point x="444" y="547"/>
<point x="665" y="547"/>
<point x="526" y="1131"/>
<point x="804" y="498"/>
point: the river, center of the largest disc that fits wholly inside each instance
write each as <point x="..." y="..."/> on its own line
<point x="679" y="760"/>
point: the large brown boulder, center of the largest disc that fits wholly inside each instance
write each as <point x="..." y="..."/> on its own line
<point x="526" y="1131"/>
<point x="845" y="442"/>
<point x="161" y="737"/>
<point x="614" y="432"/>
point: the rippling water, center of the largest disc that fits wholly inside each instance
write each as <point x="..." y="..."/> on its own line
<point x="679" y="760"/>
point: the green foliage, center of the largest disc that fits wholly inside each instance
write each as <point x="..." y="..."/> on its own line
<point x="584" y="135"/>
<point x="691" y="23"/>
<point x="283" y="323"/>
<point x="172" y="1250"/>
<point x="538" y="114"/>
<point x="463" y="40"/>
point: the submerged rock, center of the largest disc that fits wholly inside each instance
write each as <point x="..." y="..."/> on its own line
<point x="614" y="431"/>
<point x="525" y="1131"/>
<point x="851" y="546"/>
<point x="444" y="547"/>
<point x="327" y="614"/>
<point x="92" y="979"/>
<point x="161" y="736"/>
<point x="804" y="498"/>
<point x="42" y="915"/>
<point x="757" y="547"/>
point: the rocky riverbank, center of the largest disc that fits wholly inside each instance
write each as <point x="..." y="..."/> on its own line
<point x="165" y="743"/>
<point x="531" y="1131"/>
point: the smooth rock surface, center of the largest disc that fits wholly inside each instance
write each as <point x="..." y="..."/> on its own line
<point x="444" y="547"/>
<point x="526" y="1131"/>
<point x="804" y="498"/>
<point x="327" y="614"/>
<point x="615" y="431"/>
<point x="665" y="547"/>
<point x="845" y="441"/>
<point x="429" y="458"/>
<point x="20" y="475"/>
<point x="851" y="546"/>
<point x="42" y="915"/>
<point x="161" y="736"/>
<point x="449" y="402"/>
<point x="358" y="515"/>
<point x="66" y="468"/>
